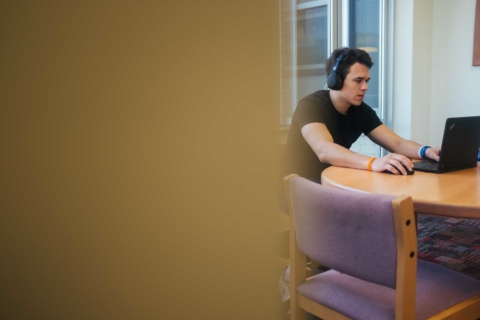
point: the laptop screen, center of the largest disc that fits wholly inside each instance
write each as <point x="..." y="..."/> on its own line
<point x="461" y="142"/>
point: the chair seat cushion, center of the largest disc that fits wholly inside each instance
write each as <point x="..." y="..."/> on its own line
<point x="438" y="288"/>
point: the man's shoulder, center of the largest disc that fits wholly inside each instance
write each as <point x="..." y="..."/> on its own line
<point x="317" y="96"/>
<point x="316" y="107"/>
<point x="317" y="100"/>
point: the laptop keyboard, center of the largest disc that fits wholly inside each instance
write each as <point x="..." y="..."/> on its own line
<point x="429" y="165"/>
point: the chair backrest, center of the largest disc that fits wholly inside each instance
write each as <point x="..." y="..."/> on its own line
<point x="351" y="232"/>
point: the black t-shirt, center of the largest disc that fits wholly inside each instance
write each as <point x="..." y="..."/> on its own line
<point x="345" y="130"/>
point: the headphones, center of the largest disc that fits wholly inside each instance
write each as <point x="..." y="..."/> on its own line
<point x="334" y="81"/>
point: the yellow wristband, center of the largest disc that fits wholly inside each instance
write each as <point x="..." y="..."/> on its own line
<point x="369" y="164"/>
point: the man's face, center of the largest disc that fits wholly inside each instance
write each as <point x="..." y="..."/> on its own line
<point x="355" y="84"/>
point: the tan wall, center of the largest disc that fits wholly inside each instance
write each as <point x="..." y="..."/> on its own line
<point x="455" y="81"/>
<point x="136" y="156"/>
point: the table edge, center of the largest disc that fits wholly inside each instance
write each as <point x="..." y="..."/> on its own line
<point x="424" y="206"/>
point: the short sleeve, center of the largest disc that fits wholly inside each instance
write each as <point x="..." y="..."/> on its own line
<point x="308" y="111"/>
<point x="371" y="119"/>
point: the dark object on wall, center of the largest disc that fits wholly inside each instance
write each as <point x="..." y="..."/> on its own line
<point x="476" y="37"/>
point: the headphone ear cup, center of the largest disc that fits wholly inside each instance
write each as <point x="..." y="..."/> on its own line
<point x="334" y="81"/>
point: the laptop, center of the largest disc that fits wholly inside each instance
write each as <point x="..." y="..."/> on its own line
<point x="460" y="146"/>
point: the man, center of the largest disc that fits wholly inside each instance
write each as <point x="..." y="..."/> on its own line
<point x="326" y="123"/>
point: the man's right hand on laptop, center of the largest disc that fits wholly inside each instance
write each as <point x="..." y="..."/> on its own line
<point x="433" y="153"/>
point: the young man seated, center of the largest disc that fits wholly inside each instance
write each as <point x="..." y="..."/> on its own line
<point x="326" y="123"/>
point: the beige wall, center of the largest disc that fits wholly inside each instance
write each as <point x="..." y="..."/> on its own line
<point x="433" y="78"/>
<point x="136" y="153"/>
<point x="455" y="82"/>
<point x="412" y="68"/>
<point x="422" y="70"/>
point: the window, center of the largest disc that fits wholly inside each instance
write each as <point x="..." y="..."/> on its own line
<point x="304" y="47"/>
<point x="312" y="46"/>
<point x="310" y="30"/>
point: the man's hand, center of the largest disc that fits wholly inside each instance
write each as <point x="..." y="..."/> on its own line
<point x="393" y="163"/>
<point x="433" y="153"/>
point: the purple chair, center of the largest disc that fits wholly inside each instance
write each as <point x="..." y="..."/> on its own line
<point x="369" y="242"/>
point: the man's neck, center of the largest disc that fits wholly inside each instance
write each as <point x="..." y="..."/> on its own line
<point x="338" y="102"/>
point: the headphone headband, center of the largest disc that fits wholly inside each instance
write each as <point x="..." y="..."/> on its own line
<point x="337" y="61"/>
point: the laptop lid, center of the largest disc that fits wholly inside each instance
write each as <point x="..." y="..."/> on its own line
<point x="460" y="144"/>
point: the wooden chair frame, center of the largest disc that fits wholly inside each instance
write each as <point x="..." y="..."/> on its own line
<point x="405" y="230"/>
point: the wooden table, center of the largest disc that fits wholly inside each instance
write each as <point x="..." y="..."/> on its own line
<point x="453" y="194"/>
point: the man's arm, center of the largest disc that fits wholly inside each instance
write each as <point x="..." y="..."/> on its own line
<point x="321" y="141"/>
<point x="389" y="140"/>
